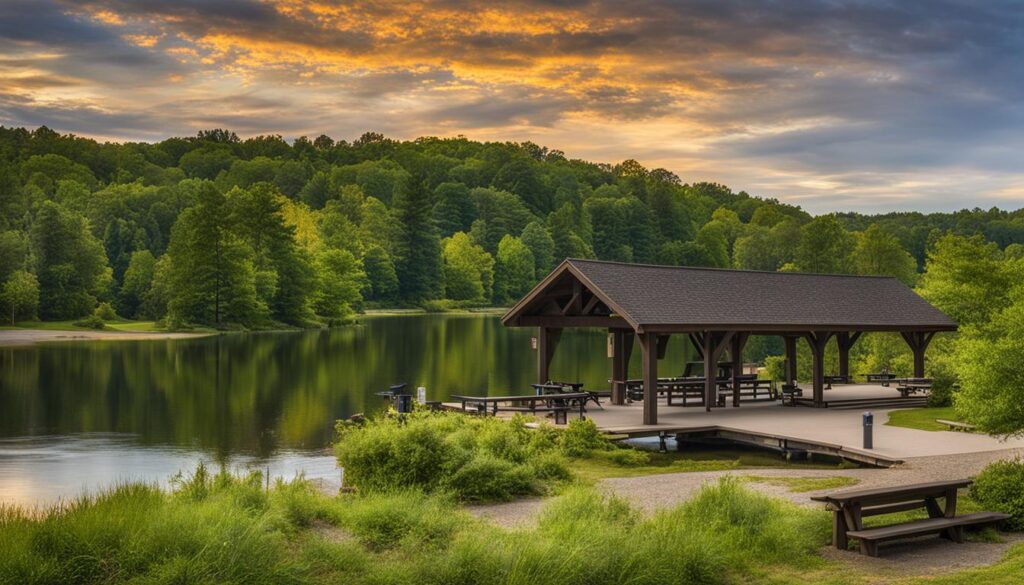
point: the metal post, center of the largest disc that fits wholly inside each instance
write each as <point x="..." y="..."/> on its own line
<point x="869" y="424"/>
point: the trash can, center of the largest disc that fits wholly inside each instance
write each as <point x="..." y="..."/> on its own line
<point x="869" y="424"/>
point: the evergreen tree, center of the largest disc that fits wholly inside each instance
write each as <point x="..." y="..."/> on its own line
<point x="138" y="278"/>
<point x="69" y="261"/>
<point x="381" y="278"/>
<point x="211" y="277"/>
<point x="417" y="247"/>
<point x="454" y="210"/>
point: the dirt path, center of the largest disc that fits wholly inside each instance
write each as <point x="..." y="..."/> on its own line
<point x="10" y="337"/>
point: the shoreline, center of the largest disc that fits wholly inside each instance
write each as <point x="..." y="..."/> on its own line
<point x="22" y="337"/>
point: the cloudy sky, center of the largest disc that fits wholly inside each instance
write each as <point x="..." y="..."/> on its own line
<point x="831" y="105"/>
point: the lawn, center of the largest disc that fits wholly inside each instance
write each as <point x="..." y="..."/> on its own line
<point x="804" y="484"/>
<point x="922" y="418"/>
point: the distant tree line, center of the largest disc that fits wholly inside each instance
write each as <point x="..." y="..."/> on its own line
<point x="220" y="231"/>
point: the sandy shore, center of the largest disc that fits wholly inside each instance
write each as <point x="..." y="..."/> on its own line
<point x="9" y="337"/>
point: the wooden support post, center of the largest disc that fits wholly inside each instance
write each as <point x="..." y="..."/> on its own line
<point x="622" y="340"/>
<point x="547" y="340"/>
<point x="817" y="340"/>
<point x="698" y="343"/>
<point x="790" y="359"/>
<point x="739" y="340"/>
<point x="649" y="349"/>
<point x="845" y="342"/>
<point x="918" y="342"/>
<point x="715" y="343"/>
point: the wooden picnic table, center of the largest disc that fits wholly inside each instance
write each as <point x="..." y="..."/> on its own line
<point x="849" y="508"/>
<point x="569" y="387"/>
<point x="908" y="386"/>
<point x="835" y="379"/>
<point x="547" y="403"/>
<point x="882" y="378"/>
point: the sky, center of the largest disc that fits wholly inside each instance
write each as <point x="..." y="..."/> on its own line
<point x="828" y="104"/>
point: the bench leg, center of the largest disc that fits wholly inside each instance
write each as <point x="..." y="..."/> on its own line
<point x="869" y="548"/>
<point x="839" y="528"/>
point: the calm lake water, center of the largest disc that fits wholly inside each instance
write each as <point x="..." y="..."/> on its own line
<point x="80" y="415"/>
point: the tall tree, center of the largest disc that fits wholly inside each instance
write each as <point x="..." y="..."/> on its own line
<point x="879" y="253"/>
<point x="468" y="270"/>
<point x="211" y="278"/>
<point x="138" y="279"/>
<point x="20" y="295"/>
<point x="825" y="246"/>
<point x="417" y="247"/>
<point x="538" y="239"/>
<point x="966" y="278"/>
<point x="514" y="271"/>
<point x="70" y="263"/>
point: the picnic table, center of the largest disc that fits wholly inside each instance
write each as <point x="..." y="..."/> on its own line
<point x="789" y="393"/>
<point x="750" y="387"/>
<point x="835" y="379"/>
<point x="849" y="508"/>
<point x="908" y="386"/>
<point x="882" y="378"/>
<point x="550" y="387"/>
<point x="532" y="404"/>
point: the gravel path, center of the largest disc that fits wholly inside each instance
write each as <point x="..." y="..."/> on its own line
<point x="11" y="337"/>
<point x="922" y="557"/>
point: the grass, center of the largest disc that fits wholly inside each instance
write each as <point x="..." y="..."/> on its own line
<point x="224" y="529"/>
<point x="118" y="325"/>
<point x="922" y="418"/>
<point x="805" y="484"/>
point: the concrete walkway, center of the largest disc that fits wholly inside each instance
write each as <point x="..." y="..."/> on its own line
<point x="823" y="425"/>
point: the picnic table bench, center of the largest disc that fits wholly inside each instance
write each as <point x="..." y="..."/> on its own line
<point x="882" y="378"/>
<point x="687" y="387"/>
<point x="789" y="393"/>
<point x="956" y="425"/>
<point x="849" y="508"/>
<point x="908" y="386"/>
<point x="835" y="379"/>
<point x="750" y="388"/>
<point x="532" y="404"/>
<point x="550" y="387"/>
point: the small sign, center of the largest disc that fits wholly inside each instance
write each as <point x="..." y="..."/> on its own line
<point x="421" y="395"/>
<point x="533" y="343"/>
<point x="611" y="345"/>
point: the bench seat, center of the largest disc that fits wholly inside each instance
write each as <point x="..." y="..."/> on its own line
<point x="870" y="537"/>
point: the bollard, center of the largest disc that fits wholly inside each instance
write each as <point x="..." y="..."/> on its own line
<point x="869" y="424"/>
<point x="403" y="403"/>
<point x="421" y="395"/>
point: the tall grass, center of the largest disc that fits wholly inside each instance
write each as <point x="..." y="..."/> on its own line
<point x="216" y="528"/>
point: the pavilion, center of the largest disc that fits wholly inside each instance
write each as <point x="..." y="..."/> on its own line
<point x="718" y="309"/>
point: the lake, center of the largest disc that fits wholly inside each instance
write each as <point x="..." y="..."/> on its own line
<point x="85" y="414"/>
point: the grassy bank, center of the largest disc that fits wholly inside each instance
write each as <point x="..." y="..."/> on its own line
<point x="922" y="418"/>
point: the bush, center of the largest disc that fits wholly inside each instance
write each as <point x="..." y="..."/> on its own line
<point x="1000" y="487"/>
<point x="473" y="458"/>
<point x="91" y="322"/>
<point x="581" y="437"/>
<point x="105" y="312"/>
<point x="775" y="367"/>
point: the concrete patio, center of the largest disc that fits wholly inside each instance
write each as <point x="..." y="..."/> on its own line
<point x="821" y="425"/>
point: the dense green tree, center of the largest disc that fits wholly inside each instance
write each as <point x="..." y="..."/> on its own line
<point x="211" y="278"/>
<point x="567" y="226"/>
<point x="538" y="239"/>
<point x="69" y="263"/>
<point x="13" y="253"/>
<point x="138" y="279"/>
<point x="966" y="278"/>
<point x="879" y="253"/>
<point x="521" y="177"/>
<point x="825" y="246"/>
<point x="206" y="162"/>
<point x="501" y="212"/>
<point x="468" y="270"/>
<point x="20" y="295"/>
<point x="339" y="282"/>
<point x="756" y="250"/>
<point x="454" y="210"/>
<point x="417" y="247"/>
<point x="514" y="270"/>
<point x="713" y="241"/>
<point x="381" y="278"/>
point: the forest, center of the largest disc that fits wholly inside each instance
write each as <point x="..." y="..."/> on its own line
<point x="219" y="231"/>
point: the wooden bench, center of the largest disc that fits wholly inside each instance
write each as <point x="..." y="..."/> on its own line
<point x="751" y="389"/>
<point x="882" y="378"/>
<point x="556" y="387"/>
<point x="837" y="379"/>
<point x="849" y="508"/>
<point x="956" y="425"/>
<point x="789" y="393"/>
<point x="908" y="386"/>
<point x="532" y="404"/>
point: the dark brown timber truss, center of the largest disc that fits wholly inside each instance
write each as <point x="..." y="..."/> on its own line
<point x="718" y="311"/>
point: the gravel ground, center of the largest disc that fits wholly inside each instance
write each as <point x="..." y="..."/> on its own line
<point x="922" y="557"/>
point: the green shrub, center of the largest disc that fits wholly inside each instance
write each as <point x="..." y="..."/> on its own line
<point x="625" y="457"/>
<point x="91" y="322"/>
<point x="775" y="367"/>
<point x="105" y="312"/>
<point x="581" y="437"/>
<point x="408" y="519"/>
<point x="1000" y="488"/>
<point x="475" y="458"/>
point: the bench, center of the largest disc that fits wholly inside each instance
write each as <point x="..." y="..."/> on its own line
<point x="849" y="509"/>
<point x="750" y="388"/>
<point x="789" y="393"/>
<point x="555" y="387"/>
<point x="908" y="386"/>
<point x="956" y="425"/>
<point x="533" y="404"/>
<point x="882" y="378"/>
<point x="837" y="379"/>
